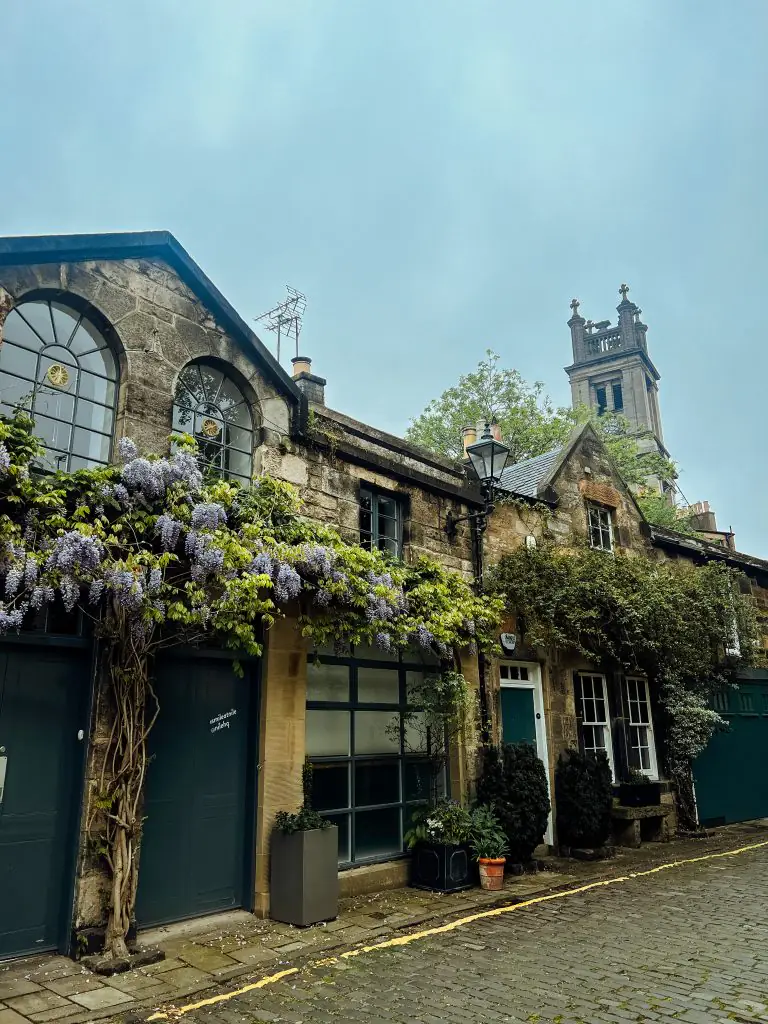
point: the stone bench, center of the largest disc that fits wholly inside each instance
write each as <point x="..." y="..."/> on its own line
<point x="628" y="826"/>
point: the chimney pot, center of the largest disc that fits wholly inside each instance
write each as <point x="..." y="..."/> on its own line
<point x="468" y="437"/>
<point x="301" y="364"/>
<point x="312" y="387"/>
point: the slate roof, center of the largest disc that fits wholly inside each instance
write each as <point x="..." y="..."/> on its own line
<point x="524" y="477"/>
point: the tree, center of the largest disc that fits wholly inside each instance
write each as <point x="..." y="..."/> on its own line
<point x="532" y="425"/>
<point x="529" y="422"/>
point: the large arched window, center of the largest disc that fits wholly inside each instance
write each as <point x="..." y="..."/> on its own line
<point x="212" y="408"/>
<point x="56" y="364"/>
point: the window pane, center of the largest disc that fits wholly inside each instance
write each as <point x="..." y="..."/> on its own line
<point x="55" y="403"/>
<point x="94" y="417"/>
<point x="38" y="316"/>
<point x="377" y="833"/>
<point x="53" y="433"/>
<point x="327" y="733"/>
<point x="90" y="445"/>
<point x="21" y="361"/>
<point x="98" y="362"/>
<point x="342" y="823"/>
<point x="330" y="786"/>
<point x="416" y="739"/>
<point x="376" y="732"/>
<point x="19" y="332"/>
<point x="377" y="783"/>
<point x="418" y="775"/>
<point x="378" y="686"/>
<point x="387" y="507"/>
<point x="96" y="388"/>
<point x="64" y="322"/>
<point x="365" y="516"/>
<point x="327" y="682"/>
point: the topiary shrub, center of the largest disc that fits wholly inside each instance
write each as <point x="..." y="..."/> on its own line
<point x="513" y="780"/>
<point x="583" y="799"/>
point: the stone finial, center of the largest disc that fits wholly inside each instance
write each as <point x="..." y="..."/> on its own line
<point x="624" y="291"/>
<point x="575" y="306"/>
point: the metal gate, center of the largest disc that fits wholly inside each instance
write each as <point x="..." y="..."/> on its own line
<point x="732" y="773"/>
<point x="198" y="842"/>
<point x="43" y="725"/>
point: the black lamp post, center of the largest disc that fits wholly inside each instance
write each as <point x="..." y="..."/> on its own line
<point x="487" y="461"/>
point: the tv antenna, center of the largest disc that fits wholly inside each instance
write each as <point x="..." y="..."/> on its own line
<point x="285" y="319"/>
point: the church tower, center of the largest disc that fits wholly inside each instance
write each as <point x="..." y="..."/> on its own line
<point x="612" y="371"/>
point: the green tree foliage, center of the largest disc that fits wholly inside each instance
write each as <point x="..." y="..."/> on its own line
<point x="513" y="780"/>
<point x="529" y="422"/>
<point x="583" y="797"/>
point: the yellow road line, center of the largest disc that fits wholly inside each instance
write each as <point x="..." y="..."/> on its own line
<point x="404" y="940"/>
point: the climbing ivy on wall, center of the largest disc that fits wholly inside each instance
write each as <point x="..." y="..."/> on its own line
<point x="158" y="555"/>
<point x="687" y="627"/>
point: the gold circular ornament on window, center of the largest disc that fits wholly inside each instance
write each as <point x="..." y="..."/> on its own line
<point x="58" y="375"/>
<point x="210" y="428"/>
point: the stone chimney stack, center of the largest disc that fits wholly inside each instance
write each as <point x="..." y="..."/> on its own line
<point x="468" y="437"/>
<point x="312" y="387"/>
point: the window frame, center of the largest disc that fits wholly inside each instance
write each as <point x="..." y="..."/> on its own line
<point x="403" y="757"/>
<point x="374" y="536"/>
<point x="595" y="723"/>
<point x="616" y="386"/>
<point x="602" y="407"/>
<point x="82" y="316"/>
<point x="652" y="771"/>
<point x="594" y="507"/>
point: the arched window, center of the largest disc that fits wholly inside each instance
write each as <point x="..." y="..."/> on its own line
<point x="212" y="408"/>
<point x="56" y="364"/>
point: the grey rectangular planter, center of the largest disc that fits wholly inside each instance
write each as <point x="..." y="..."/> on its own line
<point x="304" y="876"/>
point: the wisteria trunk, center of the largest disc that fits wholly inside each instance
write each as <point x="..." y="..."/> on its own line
<point x="124" y="770"/>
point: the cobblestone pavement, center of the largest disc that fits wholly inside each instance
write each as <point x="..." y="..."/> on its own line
<point x="687" y="944"/>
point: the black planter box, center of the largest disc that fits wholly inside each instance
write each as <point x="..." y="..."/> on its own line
<point x="304" y="876"/>
<point x="640" y="794"/>
<point x="441" y="868"/>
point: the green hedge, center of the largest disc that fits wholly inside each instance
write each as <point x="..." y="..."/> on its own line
<point x="513" y="779"/>
<point x="583" y="797"/>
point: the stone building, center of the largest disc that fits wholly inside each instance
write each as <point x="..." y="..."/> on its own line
<point x="124" y="335"/>
<point x="613" y="372"/>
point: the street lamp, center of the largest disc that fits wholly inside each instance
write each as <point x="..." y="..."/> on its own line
<point x="487" y="459"/>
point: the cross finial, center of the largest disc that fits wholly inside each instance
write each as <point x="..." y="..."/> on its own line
<point x="624" y="291"/>
<point x="575" y="306"/>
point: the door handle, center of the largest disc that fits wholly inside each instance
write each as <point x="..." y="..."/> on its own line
<point x="3" y="769"/>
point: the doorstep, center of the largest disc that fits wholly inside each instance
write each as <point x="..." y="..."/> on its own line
<point x="208" y="952"/>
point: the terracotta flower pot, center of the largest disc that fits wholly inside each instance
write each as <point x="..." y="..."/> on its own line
<point x="492" y="872"/>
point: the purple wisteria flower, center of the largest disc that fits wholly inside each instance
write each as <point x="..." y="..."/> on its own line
<point x="5" y="459"/>
<point x="208" y="516"/>
<point x="11" y="618"/>
<point x="317" y="560"/>
<point x="384" y="641"/>
<point x="74" y="551"/>
<point x="13" y="580"/>
<point x="168" y="530"/>
<point x="121" y="494"/>
<point x="70" y="592"/>
<point x="31" y="569"/>
<point x="322" y="597"/>
<point x="262" y="565"/>
<point x="42" y="596"/>
<point x="424" y="637"/>
<point x="287" y="583"/>
<point x="206" y="559"/>
<point x="154" y="580"/>
<point x="127" y="450"/>
<point x="126" y="588"/>
<point x="96" y="591"/>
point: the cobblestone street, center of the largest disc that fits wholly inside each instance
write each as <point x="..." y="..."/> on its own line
<point x="688" y="944"/>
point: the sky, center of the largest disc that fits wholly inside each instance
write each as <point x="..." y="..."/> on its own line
<point x="439" y="178"/>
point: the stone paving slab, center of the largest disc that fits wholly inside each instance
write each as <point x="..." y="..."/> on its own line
<point x="208" y="954"/>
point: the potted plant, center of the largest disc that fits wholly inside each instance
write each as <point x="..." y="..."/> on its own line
<point x="513" y="780"/>
<point x="489" y="844"/>
<point x="439" y="841"/>
<point x="583" y="799"/>
<point x="637" y="790"/>
<point x="304" y="873"/>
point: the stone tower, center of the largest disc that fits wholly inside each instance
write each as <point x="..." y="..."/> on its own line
<point x="612" y="371"/>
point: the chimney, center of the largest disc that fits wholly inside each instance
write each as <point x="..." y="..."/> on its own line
<point x="496" y="431"/>
<point x="312" y="387"/>
<point x="468" y="437"/>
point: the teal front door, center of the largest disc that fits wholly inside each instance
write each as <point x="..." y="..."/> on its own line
<point x="518" y="717"/>
<point x="43" y="707"/>
<point x="197" y="843"/>
<point x="731" y="774"/>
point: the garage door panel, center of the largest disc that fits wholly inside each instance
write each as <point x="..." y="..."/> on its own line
<point x="195" y="850"/>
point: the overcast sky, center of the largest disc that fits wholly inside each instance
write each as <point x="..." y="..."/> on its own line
<point x="439" y="177"/>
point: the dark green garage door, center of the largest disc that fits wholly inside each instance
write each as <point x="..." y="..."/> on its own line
<point x="197" y="846"/>
<point x="42" y="708"/>
<point x="732" y="773"/>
